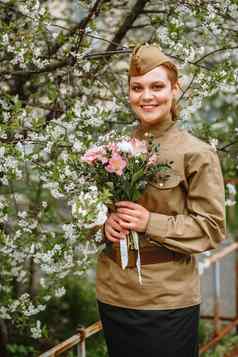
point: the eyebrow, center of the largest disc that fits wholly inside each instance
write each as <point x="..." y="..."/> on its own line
<point x="155" y="82"/>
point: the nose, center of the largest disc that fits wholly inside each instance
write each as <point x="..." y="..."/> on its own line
<point x="146" y="95"/>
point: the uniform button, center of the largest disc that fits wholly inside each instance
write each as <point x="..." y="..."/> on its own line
<point x="161" y="184"/>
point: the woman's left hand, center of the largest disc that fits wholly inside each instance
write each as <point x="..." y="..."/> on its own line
<point x="133" y="216"/>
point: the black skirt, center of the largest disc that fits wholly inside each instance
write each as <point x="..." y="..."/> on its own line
<point x="150" y="333"/>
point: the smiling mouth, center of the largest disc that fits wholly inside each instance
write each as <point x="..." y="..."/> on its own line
<point x="149" y="107"/>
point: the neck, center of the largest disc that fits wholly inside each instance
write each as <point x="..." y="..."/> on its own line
<point x="160" y="127"/>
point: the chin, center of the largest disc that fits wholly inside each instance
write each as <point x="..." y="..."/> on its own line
<point x="151" y="119"/>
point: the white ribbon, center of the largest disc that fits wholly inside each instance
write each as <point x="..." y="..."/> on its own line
<point x="124" y="253"/>
<point x="135" y="237"/>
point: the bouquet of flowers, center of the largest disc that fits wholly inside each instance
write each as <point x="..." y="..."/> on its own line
<point x="124" y="167"/>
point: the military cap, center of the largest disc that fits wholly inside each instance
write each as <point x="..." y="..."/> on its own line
<point x="147" y="57"/>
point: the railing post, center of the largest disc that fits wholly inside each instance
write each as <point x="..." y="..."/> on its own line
<point x="81" y="347"/>
<point x="217" y="296"/>
<point x="236" y="284"/>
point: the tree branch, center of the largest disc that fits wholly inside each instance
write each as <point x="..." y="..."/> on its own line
<point x="129" y="20"/>
<point x="213" y="52"/>
<point x="99" y="54"/>
<point x="188" y="87"/>
<point x="148" y="12"/>
<point x="225" y="147"/>
<point x="49" y="68"/>
<point x="93" y="12"/>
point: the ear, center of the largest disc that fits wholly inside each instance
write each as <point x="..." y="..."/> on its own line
<point x="176" y="89"/>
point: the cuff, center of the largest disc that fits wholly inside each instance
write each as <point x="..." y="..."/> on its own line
<point x="104" y="238"/>
<point x="157" y="226"/>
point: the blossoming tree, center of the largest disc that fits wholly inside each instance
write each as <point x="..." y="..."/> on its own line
<point x="63" y="84"/>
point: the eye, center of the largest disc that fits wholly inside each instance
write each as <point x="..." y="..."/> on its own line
<point x="136" y="88"/>
<point x="157" y="86"/>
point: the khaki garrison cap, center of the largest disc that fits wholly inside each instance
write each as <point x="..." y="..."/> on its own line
<point x="147" y="57"/>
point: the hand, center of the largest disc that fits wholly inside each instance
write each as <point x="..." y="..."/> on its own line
<point x="113" y="230"/>
<point x="132" y="216"/>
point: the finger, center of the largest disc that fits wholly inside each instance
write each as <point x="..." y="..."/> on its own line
<point x="130" y="212"/>
<point x="126" y="217"/>
<point x="114" y="240"/>
<point x="113" y="217"/>
<point x="128" y="225"/>
<point x="114" y="224"/>
<point x="127" y="204"/>
<point x="117" y="227"/>
<point x="115" y="234"/>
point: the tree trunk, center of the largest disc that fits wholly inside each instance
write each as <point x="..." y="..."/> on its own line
<point x="3" y="339"/>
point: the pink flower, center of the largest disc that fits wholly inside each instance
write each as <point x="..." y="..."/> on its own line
<point x="139" y="147"/>
<point x="94" y="154"/>
<point x="112" y="147"/>
<point x="116" y="164"/>
<point x="152" y="160"/>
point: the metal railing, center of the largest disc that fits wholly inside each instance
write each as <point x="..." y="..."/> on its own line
<point x="219" y="332"/>
<point x="79" y="339"/>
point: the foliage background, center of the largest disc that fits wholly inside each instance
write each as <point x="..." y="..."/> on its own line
<point x="63" y="67"/>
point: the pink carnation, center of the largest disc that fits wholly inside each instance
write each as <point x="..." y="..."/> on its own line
<point x="94" y="154"/>
<point x="116" y="164"/>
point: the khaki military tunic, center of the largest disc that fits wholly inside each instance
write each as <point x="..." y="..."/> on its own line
<point x="187" y="215"/>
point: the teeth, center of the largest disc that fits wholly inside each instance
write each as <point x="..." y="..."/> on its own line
<point x="149" y="106"/>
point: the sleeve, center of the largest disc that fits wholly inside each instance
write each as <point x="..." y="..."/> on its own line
<point x="203" y="227"/>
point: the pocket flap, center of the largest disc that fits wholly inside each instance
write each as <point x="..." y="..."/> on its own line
<point x="166" y="181"/>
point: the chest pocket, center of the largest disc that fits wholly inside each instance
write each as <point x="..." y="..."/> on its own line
<point x="166" y="181"/>
<point x="164" y="194"/>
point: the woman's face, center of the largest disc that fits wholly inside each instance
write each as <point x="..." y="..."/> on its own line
<point x="151" y="96"/>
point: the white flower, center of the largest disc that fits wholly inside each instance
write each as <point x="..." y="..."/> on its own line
<point x="86" y="67"/>
<point x="36" y="331"/>
<point x="44" y="204"/>
<point x="101" y="217"/>
<point x="213" y="142"/>
<point x="4" y="313"/>
<point x="69" y="231"/>
<point x="14" y="306"/>
<point x="2" y="151"/>
<point x="231" y="188"/>
<point x="126" y="147"/>
<point x="60" y="292"/>
<point x="77" y="146"/>
<point x="98" y="236"/>
<point x="22" y="214"/>
<point x="230" y="203"/>
<point x="5" y="39"/>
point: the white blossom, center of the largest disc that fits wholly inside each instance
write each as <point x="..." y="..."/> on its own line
<point x="4" y="313"/>
<point x="214" y="143"/>
<point x="126" y="147"/>
<point x="60" y="292"/>
<point x="231" y="189"/>
<point x="230" y="202"/>
<point x="36" y="331"/>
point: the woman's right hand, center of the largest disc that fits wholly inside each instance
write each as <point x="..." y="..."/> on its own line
<point x="113" y="231"/>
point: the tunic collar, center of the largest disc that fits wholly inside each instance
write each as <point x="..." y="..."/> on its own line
<point x="157" y="131"/>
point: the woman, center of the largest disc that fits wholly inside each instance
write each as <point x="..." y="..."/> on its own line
<point x="176" y="218"/>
